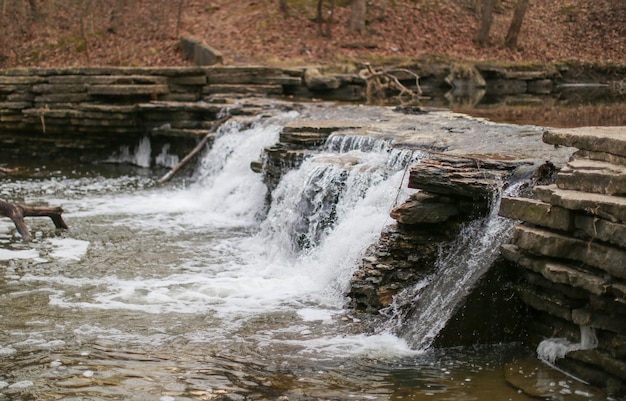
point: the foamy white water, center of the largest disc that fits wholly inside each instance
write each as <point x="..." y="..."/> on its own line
<point x="218" y="250"/>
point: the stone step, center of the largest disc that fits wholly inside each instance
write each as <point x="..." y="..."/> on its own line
<point x="303" y="140"/>
<point x="423" y="207"/>
<point x="243" y="89"/>
<point x="603" y="230"/>
<point x="458" y="176"/>
<point x="600" y="156"/>
<point x="536" y="212"/>
<point x="612" y="208"/>
<point x="179" y="132"/>
<point x="547" y="243"/>
<point x="593" y="176"/>
<point x="251" y="75"/>
<point x="128" y="90"/>
<point x="115" y="79"/>
<point x="596" y="139"/>
<point x="322" y="126"/>
<point x="61" y="98"/>
<point x="557" y="272"/>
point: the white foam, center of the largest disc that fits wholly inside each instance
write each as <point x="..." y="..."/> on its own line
<point x="7" y="254"/>
<point x="68" y="248"/>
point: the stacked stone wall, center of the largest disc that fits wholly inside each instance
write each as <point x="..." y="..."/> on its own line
<point x="571" y="247"/>
<point x="52" y="111"/>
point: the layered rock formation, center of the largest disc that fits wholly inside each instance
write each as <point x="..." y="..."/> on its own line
<point x="571" y="248"/>
<point x="453" y="191"/>
<point x="51" y="112"/>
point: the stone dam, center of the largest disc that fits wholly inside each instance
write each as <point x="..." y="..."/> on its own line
<point x="559" y="285"/>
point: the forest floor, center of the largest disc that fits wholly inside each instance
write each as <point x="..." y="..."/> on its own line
<point x="147" y="32"/>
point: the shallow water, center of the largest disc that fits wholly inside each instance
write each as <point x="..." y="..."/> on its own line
<point x="196" y="291"/>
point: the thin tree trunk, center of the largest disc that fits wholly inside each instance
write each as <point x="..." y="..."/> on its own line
<point x="516" y="24"/>
<point x="283" y="6"/>
<point x="358" y="13"/>
<point x="320" y="18"/>
<point x="485" y="22"/>
<point x="180" y="13"/>
<point x="329" y="22"/>
<point x="34" y="10"/>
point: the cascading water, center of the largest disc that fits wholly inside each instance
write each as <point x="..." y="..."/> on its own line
<point x="200" y="290"/>
<point x="419" y="313"/>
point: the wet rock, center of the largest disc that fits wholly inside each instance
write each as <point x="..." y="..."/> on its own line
<point x="577" y="274"/>
<point x="536" y="212"/>
<point x="593" y="176"/>
<point x="596" y="139"/>
<point x="425" y="208"/>
<point x="316" y="81"/>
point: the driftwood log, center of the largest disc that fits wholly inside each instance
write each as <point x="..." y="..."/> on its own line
<point x="17" y="212"/>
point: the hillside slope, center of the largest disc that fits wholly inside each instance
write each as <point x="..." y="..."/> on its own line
<point x="146" y="32"/>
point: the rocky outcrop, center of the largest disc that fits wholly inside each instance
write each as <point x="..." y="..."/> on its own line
<point x="453" y="191"/>
<point x="57" y="112"/>
<point x="199" y="52"/>
<point x="571" y="248"/>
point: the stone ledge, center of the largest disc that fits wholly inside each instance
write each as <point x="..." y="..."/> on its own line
<point x="557" y="272"/>
<point x="128" y="90"/>
<point x="596" y="228"/>
<point x="593" y="176"/>
<point x="547" y="243"/>
<point x="612" y="208"/>
<point x="597" y="139"/>
<point x="536" y="212"/>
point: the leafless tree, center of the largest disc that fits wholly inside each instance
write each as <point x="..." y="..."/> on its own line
<point x="516" y="24"/>
<point x="485" y="22"/>
<point x="358" y="13"/>
<point x="283" y="6"/>
<point x="329" y="20"/>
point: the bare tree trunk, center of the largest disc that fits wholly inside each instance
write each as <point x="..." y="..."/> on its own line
<point x="180" y="13"/>
<point x="485" y="22"/>
<point x="329" y="22"/>
<point x="284" y="8"/>
<point x="516" y="24"/>
<point x="320" y="18"/>
<point x="358" y="14"/>
<point x="34" y="10"/>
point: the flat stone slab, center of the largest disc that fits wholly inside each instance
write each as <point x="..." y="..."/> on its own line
<point x="128" y="90"/>
<point x="536" y="212"/>
<point x="598" y="139"/>
<point x="551" y="244"/>
<point x="612" y="208"/>
<point x="601" y="229"/>
<point x="557" y="272"/>
<point x="427" y="208"/>
<point x="593" y="176"/>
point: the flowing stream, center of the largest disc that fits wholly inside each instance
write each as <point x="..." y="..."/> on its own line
<point x="198" y="290"/>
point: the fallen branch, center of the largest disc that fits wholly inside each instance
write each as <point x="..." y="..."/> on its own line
<point x="17" y="212"/>
<point x="195" y="150"/>
<point x="380" y="83"/>
<point x="5" y="171"/>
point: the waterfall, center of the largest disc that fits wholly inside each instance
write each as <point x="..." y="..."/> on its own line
<point x="419" y="313"/>
<point x="309" y="202"/>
